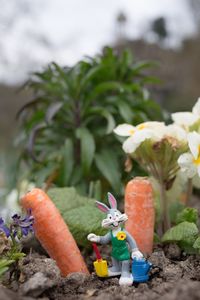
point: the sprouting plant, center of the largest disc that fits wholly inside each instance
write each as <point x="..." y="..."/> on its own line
<point x="66" y="134"/>
<point x="10" y="239"/>
<point x="157" y="148"/>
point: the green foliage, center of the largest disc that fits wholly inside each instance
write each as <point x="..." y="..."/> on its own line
<point x="180" y="232"/>
<point x="189" y="214"/>
<point x="80" y="213"/>
<point x="186" y="232"/>
<point x="4" y="265"/>
<point x="66" y="129"/>
<point x="196" y="244"/>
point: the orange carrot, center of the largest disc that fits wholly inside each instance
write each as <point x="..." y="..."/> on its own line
<point x="53" y="233"/>
<point x="139" y="207"/>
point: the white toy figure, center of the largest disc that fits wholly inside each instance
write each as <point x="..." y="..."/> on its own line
<point x="121" y="241"/>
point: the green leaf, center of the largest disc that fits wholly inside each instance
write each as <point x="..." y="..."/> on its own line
<point x="80" y="213"/>
<point x="67" y="198"/>
<point x="87" y="148"/>
<point x="189" y="214"/>
<point x="67" y="162"/>
<point x="125" y="111"/>
<point x="84" y="220"/>
<point x="180" y="232"/>
<point x="175" y="207"/>
<point x="52" y="111"/>
<point x="100" y="111"/>
<point x="196" y="244"/>
<point x="4" y="265"/>
<point x="106" y="162"/>
<point x="142" y="65"/>
<point x="187" y="245"/>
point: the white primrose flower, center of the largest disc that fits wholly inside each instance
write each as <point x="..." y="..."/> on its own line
<point x="138" y="134"/>
<point x="177" y="132"/>
<point x="186" y="119"/>
<point x="190" y="162"/>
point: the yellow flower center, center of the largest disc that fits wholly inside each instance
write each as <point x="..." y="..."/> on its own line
<point x="132" y="131"/>
<point x="141" y="126"/>
<point x="197" y="161"/>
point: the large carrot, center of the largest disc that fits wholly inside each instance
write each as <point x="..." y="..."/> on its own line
<point x="53" y="233"/>
<point x="139" y="207"/>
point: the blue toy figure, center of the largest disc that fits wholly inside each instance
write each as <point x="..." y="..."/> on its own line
<point x="140" y="269"/>
<point x="122" y="242"/>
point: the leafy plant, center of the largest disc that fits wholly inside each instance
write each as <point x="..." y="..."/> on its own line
<point x="185" y="233"/>
<point x="66" y="129"/>
<point x="10" y="236"/>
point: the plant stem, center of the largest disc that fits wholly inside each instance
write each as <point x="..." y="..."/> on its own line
<point x="165" y="220"/>
<point x="189" y="191"/>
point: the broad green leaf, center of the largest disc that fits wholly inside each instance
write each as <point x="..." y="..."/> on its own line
<point x="84" y="220"/>
<point x="67" y="198"/>
<point x="189" y="214"/>
<point x="106" y="162"/>
<point x="80" y="213"/>
<point x="180" y="232"/>
<point x="87" y="148"/>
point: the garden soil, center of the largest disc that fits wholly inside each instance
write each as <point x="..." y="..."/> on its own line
<point x="173" y="276"/>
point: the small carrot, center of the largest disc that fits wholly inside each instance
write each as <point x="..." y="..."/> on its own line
<point x="139" y="208"/>
<point x="53" y="233"/>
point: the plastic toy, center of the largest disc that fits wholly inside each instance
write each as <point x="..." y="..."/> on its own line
<point x="100" y="265"/>
<point x="120" y="240"/>
<point x="140" y="269"/>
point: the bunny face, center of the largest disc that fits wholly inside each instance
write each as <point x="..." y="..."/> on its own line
<point x="114" y="217"/>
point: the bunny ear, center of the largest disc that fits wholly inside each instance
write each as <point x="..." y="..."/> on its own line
<point x="102" y="206"/>
<point x="112" y="201"/>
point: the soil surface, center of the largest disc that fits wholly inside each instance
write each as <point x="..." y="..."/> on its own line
<point x="174" y="276"/>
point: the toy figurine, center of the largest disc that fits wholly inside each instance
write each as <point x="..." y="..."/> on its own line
<point x="120" y="239"/>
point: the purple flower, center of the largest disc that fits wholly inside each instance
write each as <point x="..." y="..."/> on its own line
<point x="4" y="228"/>
<point x="23" y="224"/>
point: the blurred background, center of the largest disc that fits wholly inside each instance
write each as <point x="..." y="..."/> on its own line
<point x="35" y="33"/>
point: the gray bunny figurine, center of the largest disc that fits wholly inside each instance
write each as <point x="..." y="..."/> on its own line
<point x="120" y="239"/>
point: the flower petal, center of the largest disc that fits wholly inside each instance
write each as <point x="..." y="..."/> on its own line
<point x="124" y="130"/>
<point x="129" y="146"/>
<point x="196" y="108"/>
<point x="186" y="164"/>
<point x="198" y="170"/>
<point x="194" y="143"/>
<point x="133" y="142"/>
<point x="184" y="118"/>
<point x="152" y="124"/>
<point x="177" y="132"/>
